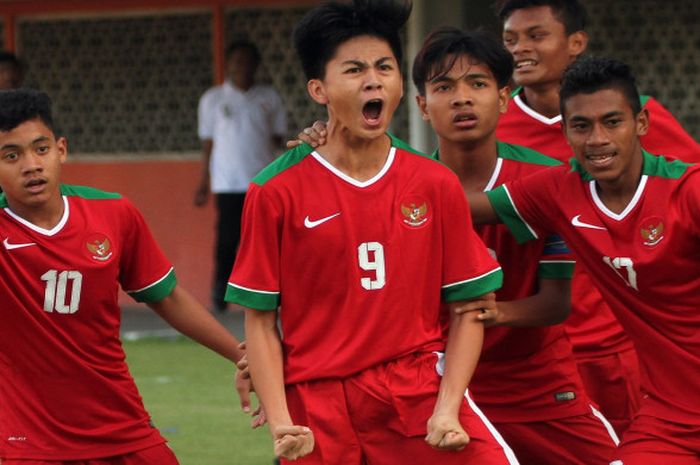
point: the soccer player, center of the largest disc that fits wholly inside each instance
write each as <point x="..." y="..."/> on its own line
<point x="632" y="219"/>
<point x="66" y="393"/>
<point x="545" y="36"/>
<point x="526" y="381"/>
<point x="356" y="244"/>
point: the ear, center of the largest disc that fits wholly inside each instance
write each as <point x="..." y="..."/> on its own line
<point x="317" y="91"/>
<point x="62" y="145"/>
<point x="422" y="106"/>
<point x="643" y="122"/>
<point x="503" y="98"/>
<point x="578" y="42"/>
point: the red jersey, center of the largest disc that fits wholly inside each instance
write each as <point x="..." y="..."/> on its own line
<point x="66" y="392"/>
<point x="358" y="269"/>
<point x="644" y="260"/>
<point x="526" y="374"/>
<point x="592" y="327"/>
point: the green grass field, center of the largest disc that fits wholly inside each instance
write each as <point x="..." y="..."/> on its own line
<point x="190" y="394"/>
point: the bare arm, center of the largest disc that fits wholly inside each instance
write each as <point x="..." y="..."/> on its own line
<point x="463" y="349"/>
<point x="265" y="362"/>
<point x="201" y="195"/>
<point x="184" y="313"/>
<point x="315" y="136"/>
<point x="550" y="306"/>
<point x="482" y="211"/>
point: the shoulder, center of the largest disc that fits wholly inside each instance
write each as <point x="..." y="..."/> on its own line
<point x="282" y="164"/>
<point x="211" y="94"/>
<point x="662" y="167"/>
<point x="88" y="193"/>
<point x="525" y="155"/>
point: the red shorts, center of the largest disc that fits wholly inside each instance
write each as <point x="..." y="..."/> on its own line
<point x="651" y="440"/>
<point x="155" y="455"/>
<point x="380" y="416"/>
<point x="578" y="440"/>
<point x="612" y="382"/>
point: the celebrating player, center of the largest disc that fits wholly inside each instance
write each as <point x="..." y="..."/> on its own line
<point x="632" y="219"/>
<point x="66" y="393"/>
<point x="356" y="243"/>
<point x="545" y="36"/>
<point x="526" y="380"/>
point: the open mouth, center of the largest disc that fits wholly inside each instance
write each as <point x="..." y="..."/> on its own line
<point x="600" y="160"/>
<point x="372" y="110"/>
<point x="34" y="184"/>
<point x="525" y="63"/>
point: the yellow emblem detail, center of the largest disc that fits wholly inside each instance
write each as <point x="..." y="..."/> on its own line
<point x="414" y="215"/>
<point x="653" y="235"/>
<point x="100" y="249"/>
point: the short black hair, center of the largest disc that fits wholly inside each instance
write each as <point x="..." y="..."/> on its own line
<point x="444" y="46"/>
<point x="589" y="75"/>
<point x="20" y="105"/>
<point x="246" y="45"/>
<point x="571" y="13"/>
<point x="323" y="29"/>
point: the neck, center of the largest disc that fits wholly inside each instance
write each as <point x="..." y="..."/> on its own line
<point x="359" y="158"/>
<point x="544" y="99"/>
<point x="46" y="216"/>
<point x="242" y="85"/>
<point x="616" y="194"/>
<point x="473" y="162"/>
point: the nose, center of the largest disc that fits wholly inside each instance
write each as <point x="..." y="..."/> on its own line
<point x="519" y="46"/>
<point x="372" y="80"/>
<point x="32" y="163"/>
<point x="462" y="96"/>
<point x="598" y="135"/>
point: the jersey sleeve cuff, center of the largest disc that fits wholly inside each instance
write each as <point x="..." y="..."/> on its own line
<point x="250" y="298"/>
<point x="157" y="291"/>
<point x="506" y="211"/>
<point x="555" y="269"/>
<point x="470" y="288"/>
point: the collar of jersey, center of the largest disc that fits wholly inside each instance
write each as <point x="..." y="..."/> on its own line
<point x="351" y="180"/>
<point x="46" y="232"/>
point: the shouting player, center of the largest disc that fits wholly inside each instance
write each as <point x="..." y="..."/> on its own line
<point x="357" y="244"/>
<point x="66" y="393"/>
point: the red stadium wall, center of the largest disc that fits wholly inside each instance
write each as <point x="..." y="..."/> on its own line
<point x="163" y="191"/>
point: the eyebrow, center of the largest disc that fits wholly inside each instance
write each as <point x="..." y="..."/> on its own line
<point x="16" y="146"/>
<point x="364" y="63"/>
<point x="446" y="78"/>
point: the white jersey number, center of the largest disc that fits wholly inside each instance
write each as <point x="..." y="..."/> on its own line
<point x="618" y="263"/>
<point x="370" y="256"/>
<point x="56" y="288"/>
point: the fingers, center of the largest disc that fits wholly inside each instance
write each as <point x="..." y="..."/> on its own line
<point x="243" y="387"/>
<point x="447" y="440"/>
<point x="259" y="418"/>
<point x="293" y="442"/>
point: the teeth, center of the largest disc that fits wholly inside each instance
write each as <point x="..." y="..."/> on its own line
<point x="520" y="64"/>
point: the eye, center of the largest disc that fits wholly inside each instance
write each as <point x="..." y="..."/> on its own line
<point x="442" y="87"/>
<point x="10" y="156"/>
<point x="508" y="40"/>
<point x="386" y="67"/>
<point x="43" y="149"/>
<point x="353" y="70"/>
<point x="479" y="84"/>
<point x="614" y="122"/>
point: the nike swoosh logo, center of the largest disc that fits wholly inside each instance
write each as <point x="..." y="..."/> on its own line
<point x="9" y="246"/>
<point x="312" y="224"/>
<point x="580" y="224"/>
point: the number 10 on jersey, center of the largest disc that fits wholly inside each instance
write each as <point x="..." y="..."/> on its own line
<point x="57" y="284"/>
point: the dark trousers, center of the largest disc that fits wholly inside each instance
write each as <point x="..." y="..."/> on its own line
<point x="229" y="208"/>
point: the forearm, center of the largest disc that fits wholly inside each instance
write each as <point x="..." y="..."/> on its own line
<point x="265" y="361"/>
<point x="461" y="356"/>
<point x="207" y="146"/>
<point x="185" y="314"/>
<point x="550" y="306"/>
<point x="481" y="209"/>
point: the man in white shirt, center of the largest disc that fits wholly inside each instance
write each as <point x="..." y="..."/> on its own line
<point x="241" y="124"/>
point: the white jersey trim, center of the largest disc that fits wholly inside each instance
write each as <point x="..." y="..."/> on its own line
<point x="606" y="423"/>
<point x="351" y="180"/>
<point x="476" y="278"/>
<point x="494" y="176"/>
<point x="154" y="283"/>
<point x="46" y="232"/>
<point x="257" y="291"/>
<point x="533" y="114"/>
<point x="630" y="206"/>
<point x="517" y="212"/>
